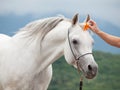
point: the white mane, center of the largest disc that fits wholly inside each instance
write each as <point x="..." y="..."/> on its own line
<point x="40" y="27"/>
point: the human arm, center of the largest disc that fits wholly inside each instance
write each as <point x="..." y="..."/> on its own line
<point x="110" y="39"/>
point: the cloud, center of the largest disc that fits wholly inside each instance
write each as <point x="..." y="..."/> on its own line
<point x="106" y="9"/>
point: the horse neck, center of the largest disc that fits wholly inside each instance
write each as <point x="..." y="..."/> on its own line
<point x="53" y="43"/>
<point x="51" y="47"/>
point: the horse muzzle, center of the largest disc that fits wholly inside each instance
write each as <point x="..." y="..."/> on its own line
<point x="91" y="72"/>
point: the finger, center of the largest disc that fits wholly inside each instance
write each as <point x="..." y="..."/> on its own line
<point x="91" y="23"/>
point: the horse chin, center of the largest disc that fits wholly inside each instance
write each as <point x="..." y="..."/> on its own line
<point x="89" y="75"/>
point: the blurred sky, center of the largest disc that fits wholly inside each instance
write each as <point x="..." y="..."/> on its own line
<point x="105" y="9"/>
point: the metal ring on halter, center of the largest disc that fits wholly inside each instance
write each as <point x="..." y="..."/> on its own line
<point x="72" y="48"/>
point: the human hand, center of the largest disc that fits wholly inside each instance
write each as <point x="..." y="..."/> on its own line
<point x="93" y="26"/>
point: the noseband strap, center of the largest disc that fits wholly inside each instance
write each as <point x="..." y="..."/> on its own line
<point x="76" y="58"/>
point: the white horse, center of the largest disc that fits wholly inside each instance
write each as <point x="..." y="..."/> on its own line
<point x="26" y="57"/>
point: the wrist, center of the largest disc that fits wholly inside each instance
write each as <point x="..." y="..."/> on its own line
<point x="97" y="30"/>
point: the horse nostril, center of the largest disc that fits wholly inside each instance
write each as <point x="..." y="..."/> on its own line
<point x="90" y="67"/>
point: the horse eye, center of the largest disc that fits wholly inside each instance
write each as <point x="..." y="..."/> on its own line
<point x="75" y="42"/>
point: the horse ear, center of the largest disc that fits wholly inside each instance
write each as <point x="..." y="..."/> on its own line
<point x="75" y="19"/>
<point x="85" y="21"/>
<point x="87" y="18"/>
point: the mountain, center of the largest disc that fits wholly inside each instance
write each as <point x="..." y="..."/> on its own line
<point x="9" y="24"/>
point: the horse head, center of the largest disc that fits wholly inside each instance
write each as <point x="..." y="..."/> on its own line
<point x="78" y="49"/>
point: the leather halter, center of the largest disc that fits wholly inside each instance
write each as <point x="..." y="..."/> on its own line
<point x="76" y="58"/>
